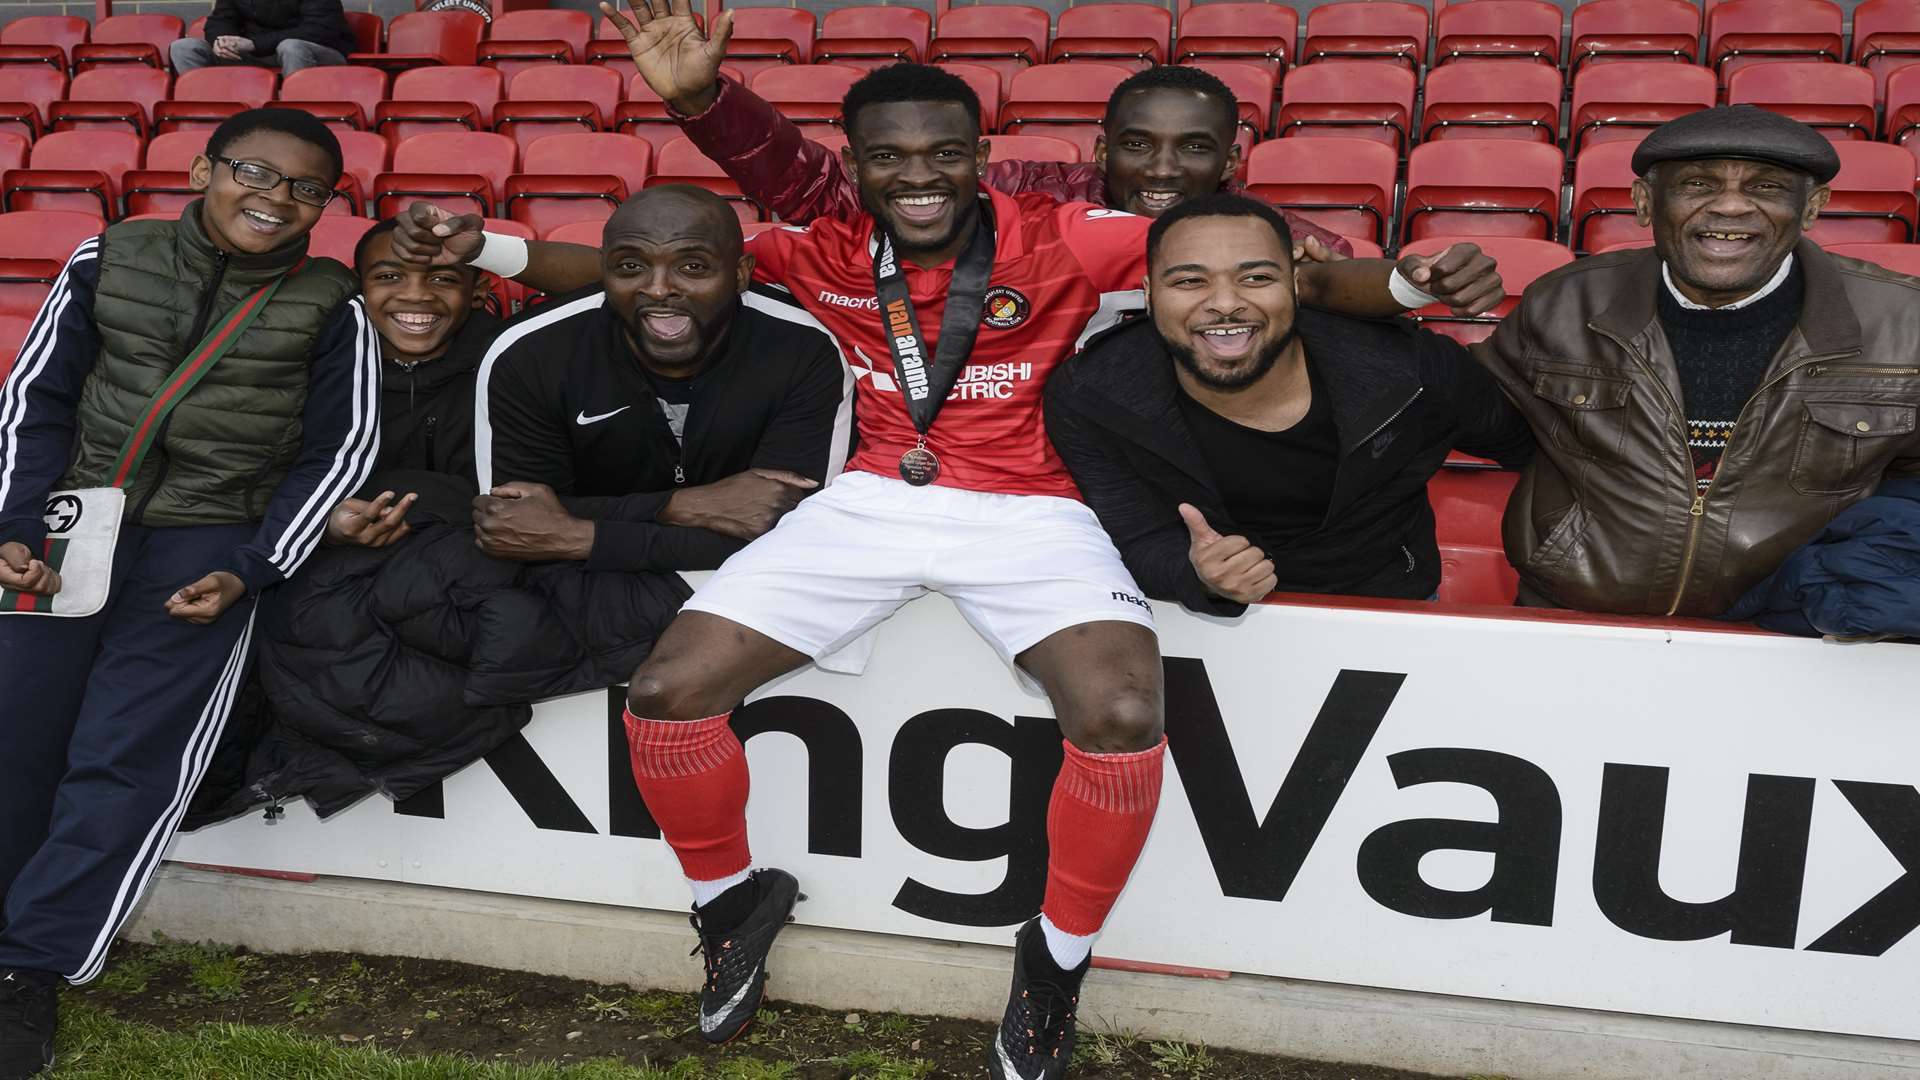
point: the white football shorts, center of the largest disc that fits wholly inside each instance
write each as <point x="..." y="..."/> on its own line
<point x="1019" y="567"/>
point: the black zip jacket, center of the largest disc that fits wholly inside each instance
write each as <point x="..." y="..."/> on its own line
<point x="267" y="23"/>
<point x="1402" y="398"/>
<point x="426" y="406"/>
<point x="564" y="402"/>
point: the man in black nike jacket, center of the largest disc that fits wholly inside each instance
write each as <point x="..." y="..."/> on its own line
<point x="664" y="419"/>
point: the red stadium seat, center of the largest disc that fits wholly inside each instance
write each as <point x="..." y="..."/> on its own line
<point x="609" y="49"/>
<point x="369" y="33"/>
<point x="1744" y="32"/>
<point x="1886" y="38"/>
<point x="1067" y="101"/>
<point x="365" y="156"/>
<point x="34" y="246"/>
<point x="161" y="185"/>
<point x="73" y="170"/>
<point x="1643" y="30"/>
<point x="428" y="39"/>
<point x="1873" y="200"/>
<point x="566" y="178"/>
<point x="769" y="37"/>
<point x="1904" y="258"/>
<point x="1009" y="38"/>
<point x="335" y="236"/>
<point x="459" y="170"/>
<point x="986" y="86"/>
<point x="1254" y="88"/>
<point x="204" y="97"/>
<point x="1129" y="35"/>
<point x="1345" y="185"/>
<point x="345" y="97"/>
<point x="1468" y="505"/>
<point x="1482" y="187"/>
<point x="809" y="96"/>
<point x="130" y="39"/>
<point x="680" y="162"/>
<point x="867" y="37"/>
<point x="554" y="100"/>
<point x="584" y="233"/>
<point x="1261" y="34"/>
<point x="436" y="99"/>
<point x="1602" y="198"/>
<point x="1349" y="100"/>
<point x="1903" y="105"/>
<point x="1380" y="30"/>
<point x="1836" y="99"/>
<point x="27" y="94"/>
<point x="519" y="40"/>
<point x="1498" y="30"/>
<point x="1485" y="101"/>
<point x="13" y="152"/>
<point x="42" y="39"/>
<point x="119" y="98"/>
<point x="1625" y="100"/>
<point x="1521" y="261"/>
<point x="645" y="115"/>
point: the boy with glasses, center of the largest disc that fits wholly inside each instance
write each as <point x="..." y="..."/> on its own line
<point x="214" y="389"/>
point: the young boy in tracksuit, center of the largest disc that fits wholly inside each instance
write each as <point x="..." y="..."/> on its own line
<point x="107" y="720"/>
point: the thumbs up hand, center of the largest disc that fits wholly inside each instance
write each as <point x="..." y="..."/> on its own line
<point x="1229" y="566"/>
<point x="1462" y="277"/>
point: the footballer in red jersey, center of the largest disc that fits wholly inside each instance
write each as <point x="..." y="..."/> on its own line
<point x="952" y="305"/>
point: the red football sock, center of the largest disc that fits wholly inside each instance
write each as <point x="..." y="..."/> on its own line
<point x="693" y="776"/>
<point x="1102" y="809"/>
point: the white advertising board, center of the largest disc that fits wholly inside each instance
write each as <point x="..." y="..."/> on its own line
<point x="1707" y="825"/>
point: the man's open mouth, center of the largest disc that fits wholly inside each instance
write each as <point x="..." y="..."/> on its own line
<point x="921" y="208"/>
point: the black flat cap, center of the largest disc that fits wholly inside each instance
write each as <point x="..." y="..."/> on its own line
<point x="1746" y="132"/>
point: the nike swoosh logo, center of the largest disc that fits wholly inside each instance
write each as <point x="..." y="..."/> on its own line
<point x="583" y="419"/>
<point x="709" y="1023"/>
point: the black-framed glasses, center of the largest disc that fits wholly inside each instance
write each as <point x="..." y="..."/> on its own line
<point x="260" y="178"/>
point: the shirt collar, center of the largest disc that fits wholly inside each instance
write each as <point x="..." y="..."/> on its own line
<point x="1779" y="276"/>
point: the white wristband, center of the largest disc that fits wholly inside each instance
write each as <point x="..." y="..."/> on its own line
<point x="1404" y="291"/>
<point x="507" y="255"/>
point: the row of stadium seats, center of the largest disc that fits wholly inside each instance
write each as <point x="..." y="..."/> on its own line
<point x="1011" y="37"/>
<point x="1359" y="188"/>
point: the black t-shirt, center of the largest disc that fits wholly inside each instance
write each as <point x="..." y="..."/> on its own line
<point x="1277" y="484"/>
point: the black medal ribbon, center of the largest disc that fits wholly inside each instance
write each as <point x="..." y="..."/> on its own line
<point x="926" y="381"/>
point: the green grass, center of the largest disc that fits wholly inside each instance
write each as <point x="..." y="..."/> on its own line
<point x="95" y="1046"/>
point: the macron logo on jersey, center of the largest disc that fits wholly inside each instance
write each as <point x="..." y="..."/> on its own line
<point x="855" y="303"/>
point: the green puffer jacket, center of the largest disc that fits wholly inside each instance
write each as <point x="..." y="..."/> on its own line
<point x="226" y="447"/>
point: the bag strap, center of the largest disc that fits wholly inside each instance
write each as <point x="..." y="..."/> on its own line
<point x="188" y="375"/>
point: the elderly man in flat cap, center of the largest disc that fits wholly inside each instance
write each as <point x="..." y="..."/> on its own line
<point x="1704" y="407"/>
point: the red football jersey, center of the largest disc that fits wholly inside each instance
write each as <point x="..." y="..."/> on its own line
<point x="1061" y="272"/>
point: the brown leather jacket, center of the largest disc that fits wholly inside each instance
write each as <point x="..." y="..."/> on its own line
<point x="1606" y="518"/>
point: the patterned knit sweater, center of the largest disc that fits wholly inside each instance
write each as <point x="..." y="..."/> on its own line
<point x="1722" y="356"/>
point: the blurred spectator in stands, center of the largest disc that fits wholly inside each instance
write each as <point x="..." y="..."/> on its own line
<point x="662" y="418"/>
<point x="1236" y="444"/>
<point x="287" y="34"/>
<point x="433" y="333"/>
<point x="1706" y="406"/>
<point x="1169" y="136"/>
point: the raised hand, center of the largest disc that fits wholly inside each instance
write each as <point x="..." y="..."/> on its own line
<point x="20" y="571"/>
<point x="1229" y="566"/>
<point x="429" y="236"/>
<point x="1462" y="277"/>
<point x="207" y="599"/>
<point x="679" y="62"/>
